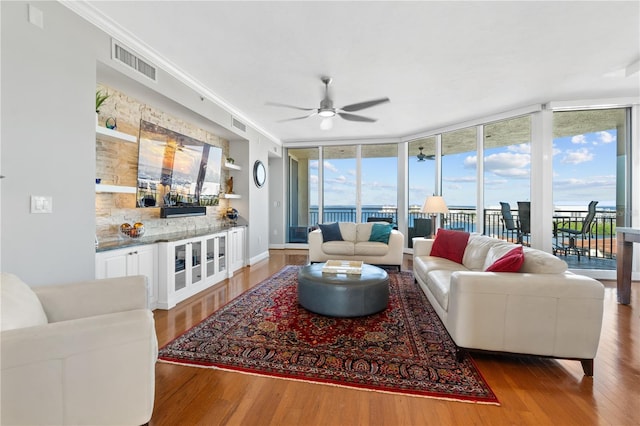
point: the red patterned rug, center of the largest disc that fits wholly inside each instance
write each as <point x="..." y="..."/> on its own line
<point x="404" y="349"/>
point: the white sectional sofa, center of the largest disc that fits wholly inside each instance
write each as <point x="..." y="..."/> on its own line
<point x="355" y="245"/>
<point x="541" y="310"/>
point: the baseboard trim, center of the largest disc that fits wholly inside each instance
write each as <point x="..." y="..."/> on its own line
<point x="260" y="257"/>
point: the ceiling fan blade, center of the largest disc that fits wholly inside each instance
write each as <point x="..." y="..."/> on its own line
<point x="289" y="106"/>
<point x="363" y="105"/>
<point x="354" y="117"/>
<point x="297" y="118"/>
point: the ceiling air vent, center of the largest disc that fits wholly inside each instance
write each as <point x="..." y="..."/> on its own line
<point x="124" y="56"/>
<point x="239" y="125"/>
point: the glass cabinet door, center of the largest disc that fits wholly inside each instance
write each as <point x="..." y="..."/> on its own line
<point x="222" y="248"/>
<point x="211" y="257"/>
<point x="180" y="272"/>
<point x="196" y="262"/>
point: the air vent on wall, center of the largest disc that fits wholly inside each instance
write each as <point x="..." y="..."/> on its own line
<point x="239" y="125"/>
<point x="124" y="56"/>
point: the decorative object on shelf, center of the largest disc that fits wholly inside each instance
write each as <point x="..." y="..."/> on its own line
<point x="100" y="98"/>
<point x="230" y="160"/>
<point x="111" y="123"/>
<point x="230" y="185"/>
<point x="232" y="214"/>
<point x="135" y="231"/>
<point x="259" y="173"/>
<point x="98" y="180"/>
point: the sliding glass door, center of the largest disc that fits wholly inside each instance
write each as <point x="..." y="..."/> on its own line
<point x="459" y="178"/>
<point x="379" y="184"/>
<point x="507" y="179"/>
<point x="303" y="193"/>
<point x="339" y="185"/>
<point x="590" y="175"/>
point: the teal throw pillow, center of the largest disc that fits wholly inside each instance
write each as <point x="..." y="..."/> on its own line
<point x="380" y="233"/>
<point x="331" y="232"/>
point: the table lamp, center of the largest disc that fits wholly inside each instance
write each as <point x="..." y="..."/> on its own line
<point x="434" y="205"/>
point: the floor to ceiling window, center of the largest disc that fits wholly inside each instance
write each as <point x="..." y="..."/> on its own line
<point x="507" y="179"/>
<point x="590" y="185"/>
<point x="459" y="180"/>
<point x="339" y="183"/>
<point x="421" y="183"/>
<point x="303" y="193"/>
<point x="379" y="183"/>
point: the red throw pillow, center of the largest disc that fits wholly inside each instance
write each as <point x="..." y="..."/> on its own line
<point x="510" y="262"/>
<point x="450" y="244"/>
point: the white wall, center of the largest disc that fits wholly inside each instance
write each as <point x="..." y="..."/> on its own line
<point x="277" y="216"/>
<point x="48" y="141"/>
<point x="48" y="144"/>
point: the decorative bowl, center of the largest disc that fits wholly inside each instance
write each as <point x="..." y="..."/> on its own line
<point x="135" y="231"/>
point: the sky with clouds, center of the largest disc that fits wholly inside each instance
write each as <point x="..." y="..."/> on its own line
<point x="584" y="169"/>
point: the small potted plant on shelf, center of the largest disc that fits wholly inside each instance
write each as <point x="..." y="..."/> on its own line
<point x="100" y="98"/>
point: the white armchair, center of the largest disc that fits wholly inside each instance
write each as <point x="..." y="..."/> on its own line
<point x="90" y="359"/>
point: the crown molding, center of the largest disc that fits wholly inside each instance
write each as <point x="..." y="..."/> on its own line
<point x="91" y="14"/>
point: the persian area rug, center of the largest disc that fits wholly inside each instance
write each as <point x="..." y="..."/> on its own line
<point x="404" y="349"/>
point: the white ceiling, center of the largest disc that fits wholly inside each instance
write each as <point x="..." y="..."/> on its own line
<point x="440" y="63"/>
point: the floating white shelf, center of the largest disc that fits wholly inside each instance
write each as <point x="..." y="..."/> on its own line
<point x="110" y="135"/>
<point x="231" y="196"/>
<point x="115" y="188"/>
<point x="232" y="166"/>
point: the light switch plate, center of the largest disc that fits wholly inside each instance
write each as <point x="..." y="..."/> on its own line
<point x="36" y="17"/>
<point x="41" y="204"/>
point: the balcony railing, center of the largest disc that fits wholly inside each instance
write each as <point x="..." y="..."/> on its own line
<point x="599" y="242"/>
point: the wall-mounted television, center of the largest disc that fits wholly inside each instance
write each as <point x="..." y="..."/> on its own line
<point x="175" y="170"/>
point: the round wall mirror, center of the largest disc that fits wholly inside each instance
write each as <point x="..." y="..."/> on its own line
<point x="259" y="174"/>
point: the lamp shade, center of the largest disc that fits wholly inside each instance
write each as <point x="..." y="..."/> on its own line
<point x="434" y="204"/>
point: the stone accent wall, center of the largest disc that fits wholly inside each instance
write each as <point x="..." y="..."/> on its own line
<point x="117" y="164"/>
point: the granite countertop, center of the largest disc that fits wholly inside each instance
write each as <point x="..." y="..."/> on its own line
<point x="124" y="241"/>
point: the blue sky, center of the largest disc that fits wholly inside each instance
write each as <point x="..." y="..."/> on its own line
<point x="584" y="169"/>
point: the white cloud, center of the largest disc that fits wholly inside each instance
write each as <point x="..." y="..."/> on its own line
<point x="579" y="139"/>
<point x="495" y="182"/>
<point x="470" y="162"/>
<point x="522" y="148"/>
<point x="463" y="179"/>
<point x="578" y="156"/>
<point x="331" y="167"/>
<point x="606" y="137"/>
<point x="506" y="160"/>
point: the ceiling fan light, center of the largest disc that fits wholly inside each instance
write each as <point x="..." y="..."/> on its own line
<point x="326" y="113"/>
<point x="326" y="123"/>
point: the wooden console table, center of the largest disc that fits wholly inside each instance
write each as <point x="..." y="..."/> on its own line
<point x="626" y="237"/>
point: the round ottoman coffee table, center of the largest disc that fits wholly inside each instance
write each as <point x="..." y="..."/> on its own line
<point x="343" y="295"/>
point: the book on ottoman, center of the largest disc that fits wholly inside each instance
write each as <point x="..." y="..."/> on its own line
<point x="343" y="267"/>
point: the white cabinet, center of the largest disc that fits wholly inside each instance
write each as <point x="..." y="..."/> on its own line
<point x="139" y="260"/>
<point x="236" y="249"/>
<point x="189" y="266"/>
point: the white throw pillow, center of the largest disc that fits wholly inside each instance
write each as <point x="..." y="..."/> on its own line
<point x="20" y="306"/>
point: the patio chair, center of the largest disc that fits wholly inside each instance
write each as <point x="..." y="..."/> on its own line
<point x="524" y="218"/>
<point x="578" y="233"/>
<point x="509" y="223"/>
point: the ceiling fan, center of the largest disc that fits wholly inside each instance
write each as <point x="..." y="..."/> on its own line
<point x="327" y="110"/>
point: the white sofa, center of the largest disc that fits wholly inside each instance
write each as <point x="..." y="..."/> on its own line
<point x="80" y="354"/>
<point x="541" y="310"/>
<point x="356" y="246"/>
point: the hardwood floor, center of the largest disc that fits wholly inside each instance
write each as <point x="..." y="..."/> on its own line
<point x="531" y="390"/>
